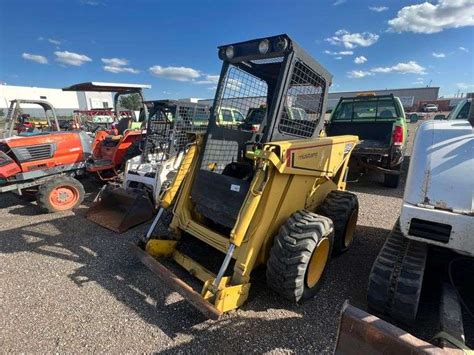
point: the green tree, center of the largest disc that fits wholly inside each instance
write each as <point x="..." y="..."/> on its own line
<point x="2" y="113"/>
<point x="131" y="102"/>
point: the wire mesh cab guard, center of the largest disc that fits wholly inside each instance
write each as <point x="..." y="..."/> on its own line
<point x="169" y="127"/>
<point x="275" y="76"/>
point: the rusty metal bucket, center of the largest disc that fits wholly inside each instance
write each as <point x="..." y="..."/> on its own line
<point x="120" y="209"/>
<point x="363" y="333"/>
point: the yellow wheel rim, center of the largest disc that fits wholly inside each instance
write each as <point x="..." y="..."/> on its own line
<point x="317" y="263"/>
<point x="350" y="228"/>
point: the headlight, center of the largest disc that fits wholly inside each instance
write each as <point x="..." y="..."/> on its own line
<point x="281" y="44"/>
<point x="264" y="46"/>
<point x="229" y="52"/>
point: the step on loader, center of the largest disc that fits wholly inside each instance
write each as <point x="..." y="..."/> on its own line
<point x="172" y="125"/>
<point x="271" y="197"/>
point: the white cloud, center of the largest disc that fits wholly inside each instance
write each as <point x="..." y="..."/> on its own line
<point x="90" y="2"/>
<point x="54" y="41"/>
<point x="353" y="40"/>
<point x="339" y="53"/>
<point x="339" y="2"/>
<point x="360" y="60"/>
<point x="71" y="58"/>
<point x="357" y="74"/>
<point x="465" y="86"/>
<point x="403" y="68"/>
<point x="35" y="58"/>
<point x="338" y="58"/>
<point x="112" y="69"/>
<point x="175" y="73"/>
<point x="115" y="62"/>
<point x="438" y="55"/>
<point x="208" y="79"/>
<point x="118" y="65"/>
<point x="464" y="49"/>
<point x="378" y="8"/>
<point x="432" y="18"/>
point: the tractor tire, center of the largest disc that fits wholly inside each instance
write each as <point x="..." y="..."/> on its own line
<point x="396" y="277"/>
<point x="342" y="208"/>
<point x="300" y="256"/>
<point x="59" y="194"/>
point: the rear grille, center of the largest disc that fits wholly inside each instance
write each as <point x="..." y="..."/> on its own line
<point x="35" y="152"/>
<point x="430" y="230"/>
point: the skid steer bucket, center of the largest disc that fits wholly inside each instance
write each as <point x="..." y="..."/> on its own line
<point x="120" y="209"/>
<point x="363" y="333"/>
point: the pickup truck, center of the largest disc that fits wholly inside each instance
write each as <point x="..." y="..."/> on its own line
<point x="380" y="123"/>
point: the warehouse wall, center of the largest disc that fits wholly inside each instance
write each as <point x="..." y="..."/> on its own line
<point x="65" y="102"/>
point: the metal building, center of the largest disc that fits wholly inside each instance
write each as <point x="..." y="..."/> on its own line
<point x="410" y="97"/>
<point x="65" y="102"/>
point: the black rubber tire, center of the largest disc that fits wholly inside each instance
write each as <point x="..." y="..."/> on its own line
<point x="339" y="206"/>
<point x="396" y="277"/>
<point x="391" y="180"/>
<point x="44" y="191"/>
<point x="291" y="253"/>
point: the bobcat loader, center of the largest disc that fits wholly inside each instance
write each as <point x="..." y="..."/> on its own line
<point x="272" y="197"/>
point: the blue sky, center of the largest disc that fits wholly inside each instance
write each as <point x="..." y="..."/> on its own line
<point x="171" y="45"/>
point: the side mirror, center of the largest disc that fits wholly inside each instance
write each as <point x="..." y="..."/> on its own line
<point x="439" y="117"/>
<point x="413" y="118"/>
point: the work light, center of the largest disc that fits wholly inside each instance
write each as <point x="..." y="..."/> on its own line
<point x="264" y="46"/>
<point x="281" y="44"/>
<point x="229" y="52"/>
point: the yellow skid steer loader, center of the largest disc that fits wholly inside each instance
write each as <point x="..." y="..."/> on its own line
<point x="273" y="196"/>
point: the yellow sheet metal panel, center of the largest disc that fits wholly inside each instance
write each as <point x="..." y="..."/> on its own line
<point x="170" y="193"/>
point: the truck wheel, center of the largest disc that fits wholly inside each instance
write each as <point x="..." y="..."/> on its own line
<point x="60" y="194"/>
<point x="391" y="180"/>
<point x="300" y="256"/>
<point x="342" y="208"/>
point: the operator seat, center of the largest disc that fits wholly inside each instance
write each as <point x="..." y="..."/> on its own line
<point x="123" y="125"/>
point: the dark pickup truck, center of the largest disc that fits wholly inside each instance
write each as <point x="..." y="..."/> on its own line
<point x="380" y="123"/>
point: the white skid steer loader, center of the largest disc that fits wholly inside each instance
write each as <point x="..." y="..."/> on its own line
<point x="171" y="127"/>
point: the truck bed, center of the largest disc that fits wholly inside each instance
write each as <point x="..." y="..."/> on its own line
<point x="375" y="135"/>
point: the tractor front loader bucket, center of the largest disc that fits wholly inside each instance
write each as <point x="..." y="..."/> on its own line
<point x="363" y="333"/>
<point x="120" y="209"/>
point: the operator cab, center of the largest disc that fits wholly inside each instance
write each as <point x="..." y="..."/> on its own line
<point x="287" y="86"/>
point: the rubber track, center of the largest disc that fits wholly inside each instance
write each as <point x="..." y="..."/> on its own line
<point x="396" y="277"/>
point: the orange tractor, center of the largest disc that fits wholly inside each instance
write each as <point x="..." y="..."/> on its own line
<point x="47" y="163"/>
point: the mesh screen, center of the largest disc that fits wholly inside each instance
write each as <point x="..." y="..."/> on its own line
<point x="303" y="102"/>
<point x="169" y="128"/>
<point x="241" y="92"/>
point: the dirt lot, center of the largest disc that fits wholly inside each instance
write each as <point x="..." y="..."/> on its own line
<point x="68" y="285"/>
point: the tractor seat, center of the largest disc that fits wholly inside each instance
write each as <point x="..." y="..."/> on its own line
<point x="112" y="138"/>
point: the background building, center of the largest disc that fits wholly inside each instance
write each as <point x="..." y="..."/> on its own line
<point x="412" y="98"/>
<point x="65" y="102"/>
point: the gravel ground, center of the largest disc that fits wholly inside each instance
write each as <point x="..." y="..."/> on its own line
<point x="67" y="285"/>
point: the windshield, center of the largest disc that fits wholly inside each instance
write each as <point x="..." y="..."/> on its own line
<point x="461" y="111"/>
<point x="374" y="108"/>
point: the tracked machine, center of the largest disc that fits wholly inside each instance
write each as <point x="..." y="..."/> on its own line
<point x="436" y="223"/>
<point x="271" y="197"/>
<point x="171" y="127"/>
